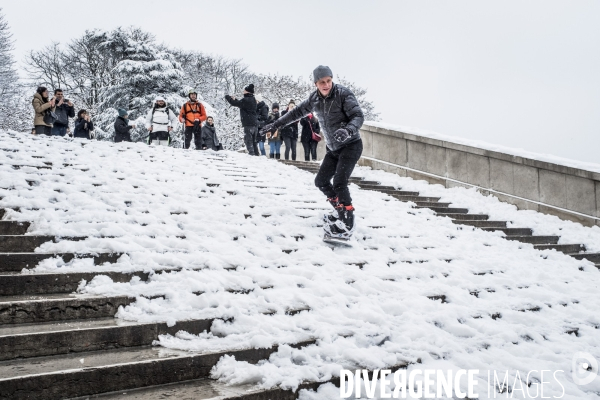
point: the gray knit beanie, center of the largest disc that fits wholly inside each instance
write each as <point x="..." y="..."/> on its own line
<point x="321" y="72"/>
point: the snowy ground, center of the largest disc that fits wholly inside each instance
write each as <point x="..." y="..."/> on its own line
<point x="251" y="250"/>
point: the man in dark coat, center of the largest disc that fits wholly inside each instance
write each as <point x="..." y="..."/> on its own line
<point x="122" y="127"/>
<point x="289" y="133"/>
<point x="247" y="106"/>
<point x="262" y="115"/>
<point x="64" y="111"/>
<point x="340" y="117"/>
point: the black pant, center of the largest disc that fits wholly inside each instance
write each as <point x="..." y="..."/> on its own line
<point x="310" y="148"/>
<point x="122" y="137"/>
<point x="338" y="165"/>
<point x="251" y="140"/>
<point x="43" y="130"/>
<point x="290" y="143"/>
<point x="158" y="136"/>
<point x="188" y="133"/>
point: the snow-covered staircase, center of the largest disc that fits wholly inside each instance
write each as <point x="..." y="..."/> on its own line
<point x="214" y="267"/>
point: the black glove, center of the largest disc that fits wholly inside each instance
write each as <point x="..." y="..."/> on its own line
<point x="341" y="135"/>
<point x="268" y="128"/>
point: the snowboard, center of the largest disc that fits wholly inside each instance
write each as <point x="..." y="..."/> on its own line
<point x="336" y="241"/>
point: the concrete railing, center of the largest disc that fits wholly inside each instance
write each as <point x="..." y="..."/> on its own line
<point x="567" y="192"/>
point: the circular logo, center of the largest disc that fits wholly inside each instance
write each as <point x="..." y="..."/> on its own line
<point x="584" y="368"/>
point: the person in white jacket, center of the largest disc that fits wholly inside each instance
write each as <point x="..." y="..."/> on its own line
<point x="160" y="122"/>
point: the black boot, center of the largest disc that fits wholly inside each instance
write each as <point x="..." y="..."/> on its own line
<point x="278" y="156"/>
<point x="332" y="216"/>
<point x="345" y="226"/>
<point x="271" y="155"/>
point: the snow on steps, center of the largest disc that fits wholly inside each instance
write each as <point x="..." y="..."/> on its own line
<point x="250" y="259"/>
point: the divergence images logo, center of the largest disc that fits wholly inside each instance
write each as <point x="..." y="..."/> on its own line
<point x="584" y="367"/>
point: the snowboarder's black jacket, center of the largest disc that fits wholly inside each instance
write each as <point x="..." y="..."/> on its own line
<point x="247" y="107"/>
<point x="339" y="109"/>
<point x="121" y="126"/>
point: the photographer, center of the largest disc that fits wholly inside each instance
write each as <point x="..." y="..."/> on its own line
<point x="83" y="125"/>
<point x="247" y="106"/>
<point x="122" y="127"/>
<point x="42" y="106"/>
<point x="64" y="111"/>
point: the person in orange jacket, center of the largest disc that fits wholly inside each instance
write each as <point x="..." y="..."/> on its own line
<point x="192" y="113"/>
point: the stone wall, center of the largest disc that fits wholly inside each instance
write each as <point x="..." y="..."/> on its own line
<point x="530" y="184"/>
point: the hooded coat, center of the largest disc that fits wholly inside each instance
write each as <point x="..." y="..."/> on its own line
<point x="209" y="137"/>
<point x="339" y="109"/>
<point x="40" y="106"/>
<point x="160" y="118"/>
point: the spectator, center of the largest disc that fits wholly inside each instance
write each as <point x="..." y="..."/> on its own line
<point x="84" y="127"/>
<point x="274" y="137"/>
<point x="159" y="122"/>
<point x="247" y="106"/>
<point x="192" y="113"/>
<point x="122" y="127"/>
<point x="209" y="136"/>
<point x="64" y="111"/>
<point x="310" y="124"/>
<point x="289" y="133"/>
<point x="42" y="107"/>
<point x="262" y="111"/>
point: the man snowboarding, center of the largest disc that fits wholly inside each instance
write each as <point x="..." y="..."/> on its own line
<point x="341" y="118"/>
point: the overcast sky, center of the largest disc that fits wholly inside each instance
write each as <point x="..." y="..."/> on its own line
<point x="521" y="73"/>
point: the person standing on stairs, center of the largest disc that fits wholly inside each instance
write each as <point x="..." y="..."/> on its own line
<point x="274" y="137"/>
<point x="340" y="118"/>
<point x="310" y="129"/>
<point x="122" y="127"/>
<point x="247" y="106"/>
<point x="289" y="133"/>
<point x="262" y="115"/>
<point x="192" y="114"/>
<point x="159" y="122"/>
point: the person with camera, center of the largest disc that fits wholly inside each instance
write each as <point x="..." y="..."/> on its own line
<point x="289" y="133"/>
<point x="159" y="122"/>
<point x="275" y="136"/>
<point x="310" y="130"/>
<point x="262" y="115"/>
<point x="122" y="127"/>
<point x="64" y="111"/>
<point x="44" y="110"/>
<point x="247" y="106"/>
<point x="192" y="114"/>
<point x="84" y="127"/>
<point x="340" y="118"/>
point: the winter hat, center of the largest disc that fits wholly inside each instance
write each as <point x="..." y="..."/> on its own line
<point x="321" y="72"/>
<point x="159" y="98"/>
<point x="122" y="112"/>
<point x="259" y="97"/>
<point x="275" y="106"/>
<point x="250" y="88"/>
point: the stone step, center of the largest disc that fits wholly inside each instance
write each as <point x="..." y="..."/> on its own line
<point x="376" y="187"/>
<point x="512" y="231"/>
<point x="49" y="339"/>
<point x="17" y="284"/>
<point x="90" y="373"/>
<point x="17" y="261"/>
<point x="448" y="210"/>
<point x="416" y="199"/>
<point x="482" y="224"/>
<point x="534" y="239"/>
<point x="206" y="389"/>
<point x="13" y="227"/>
<point x="465" y="217"/>
<point x="393" y="192"/>
<point x="593" y="257"/>
<point x="564" y="248"/>
<point x="26" y="244"/>
<point x="58" y="307"/>
<point x="430" y="204"/>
